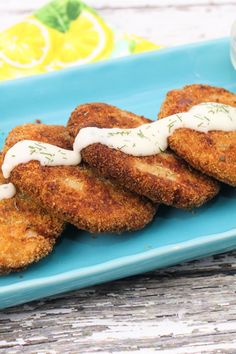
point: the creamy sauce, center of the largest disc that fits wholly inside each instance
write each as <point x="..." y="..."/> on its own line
<point x="152" y="138"/>
<point x="147" y="139"/>
<point x="47" y="154"/>
<point x="7" y="191"/>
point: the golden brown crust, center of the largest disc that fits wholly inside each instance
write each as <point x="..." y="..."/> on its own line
<point x="213" y="153"/>
<point x="76" y="193"/>
<point x="163" y="178"/>
<point x="27" y="232"/>
<point x="56" y="134"/>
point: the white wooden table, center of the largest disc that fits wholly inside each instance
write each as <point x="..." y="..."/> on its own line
<point x="189" y="308"/>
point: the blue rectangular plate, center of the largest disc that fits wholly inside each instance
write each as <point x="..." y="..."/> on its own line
<point x="138" y="84"/>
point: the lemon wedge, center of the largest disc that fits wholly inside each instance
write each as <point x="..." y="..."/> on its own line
<point x="140" y="45"/>
<point x="143" y="45"/>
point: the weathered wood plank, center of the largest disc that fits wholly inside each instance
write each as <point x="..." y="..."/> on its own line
<point x="176" y="22"/>
<point x="189" y="308"/>
<point x="192" y="307"/>
<point x="15" y="5"/>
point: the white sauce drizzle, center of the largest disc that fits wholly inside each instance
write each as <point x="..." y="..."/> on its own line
<point x="152" y="138"/>
<point x="7" y="191"/>
<point x="47" y="154"/>
<point x="147" y="139"/>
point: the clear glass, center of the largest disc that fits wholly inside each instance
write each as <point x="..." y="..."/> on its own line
<point x="233" y="44"/>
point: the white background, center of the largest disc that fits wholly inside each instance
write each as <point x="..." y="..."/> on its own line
<point x="163" y="21"/>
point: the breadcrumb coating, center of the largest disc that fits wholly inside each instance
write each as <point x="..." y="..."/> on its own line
<point x="213" y="153"/>
<point x="27" y="232"/>
<point x="163" y="178"/>
<point x="76" y="194"/>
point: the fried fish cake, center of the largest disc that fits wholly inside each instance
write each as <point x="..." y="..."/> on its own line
<point x="163" y="178"/>
<point x="76" y="193"/>
<point x="213" y="153"/>
<point x="27" y="232"/>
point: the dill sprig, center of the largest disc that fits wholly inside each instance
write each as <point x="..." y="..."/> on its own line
<point x="122" y="133"/>
<point x="204" y="119"/>
<point x="121" y="147"/>
<point x="48" y="158"/>
<point x="179" y="117"/>
<point x="141" y="135"/>
<point x="217" y="108"/>
<point x="171" y="125"/>
<point x="40" y="149"/>
<point x="39" y="145"/>
<point x="47" y="154"/>
<point x="200" y="124"/>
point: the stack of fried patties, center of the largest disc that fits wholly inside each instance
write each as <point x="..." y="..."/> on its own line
<point x="111" y="191"/>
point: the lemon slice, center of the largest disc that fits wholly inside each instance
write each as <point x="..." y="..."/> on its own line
<point x="140" y="45"/>
<point x="87" y="39"/>
<point x="24" y="45"/>
<point x="143" y="45"/>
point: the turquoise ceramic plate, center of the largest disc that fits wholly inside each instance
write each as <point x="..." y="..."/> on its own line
<point x="138" y="84"/>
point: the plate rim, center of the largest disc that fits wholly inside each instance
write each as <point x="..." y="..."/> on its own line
<point x="143" y="260"/>
<point x="113" y="61"/>
<point x="120" y="262"/>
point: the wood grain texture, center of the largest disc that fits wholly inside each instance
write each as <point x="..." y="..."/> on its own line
<point x="189" y="308"/>
<point x="183" y="309"/>
<point x="165" y="22"/>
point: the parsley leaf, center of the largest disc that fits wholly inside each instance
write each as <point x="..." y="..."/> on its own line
<point x="58" y="14"/>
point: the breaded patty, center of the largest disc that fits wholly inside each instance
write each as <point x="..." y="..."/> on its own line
<point x="27" y="232"/>
<point x="76" y="193"/>
<point x="213" y="153"/>
<point x="163" y="178"/>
